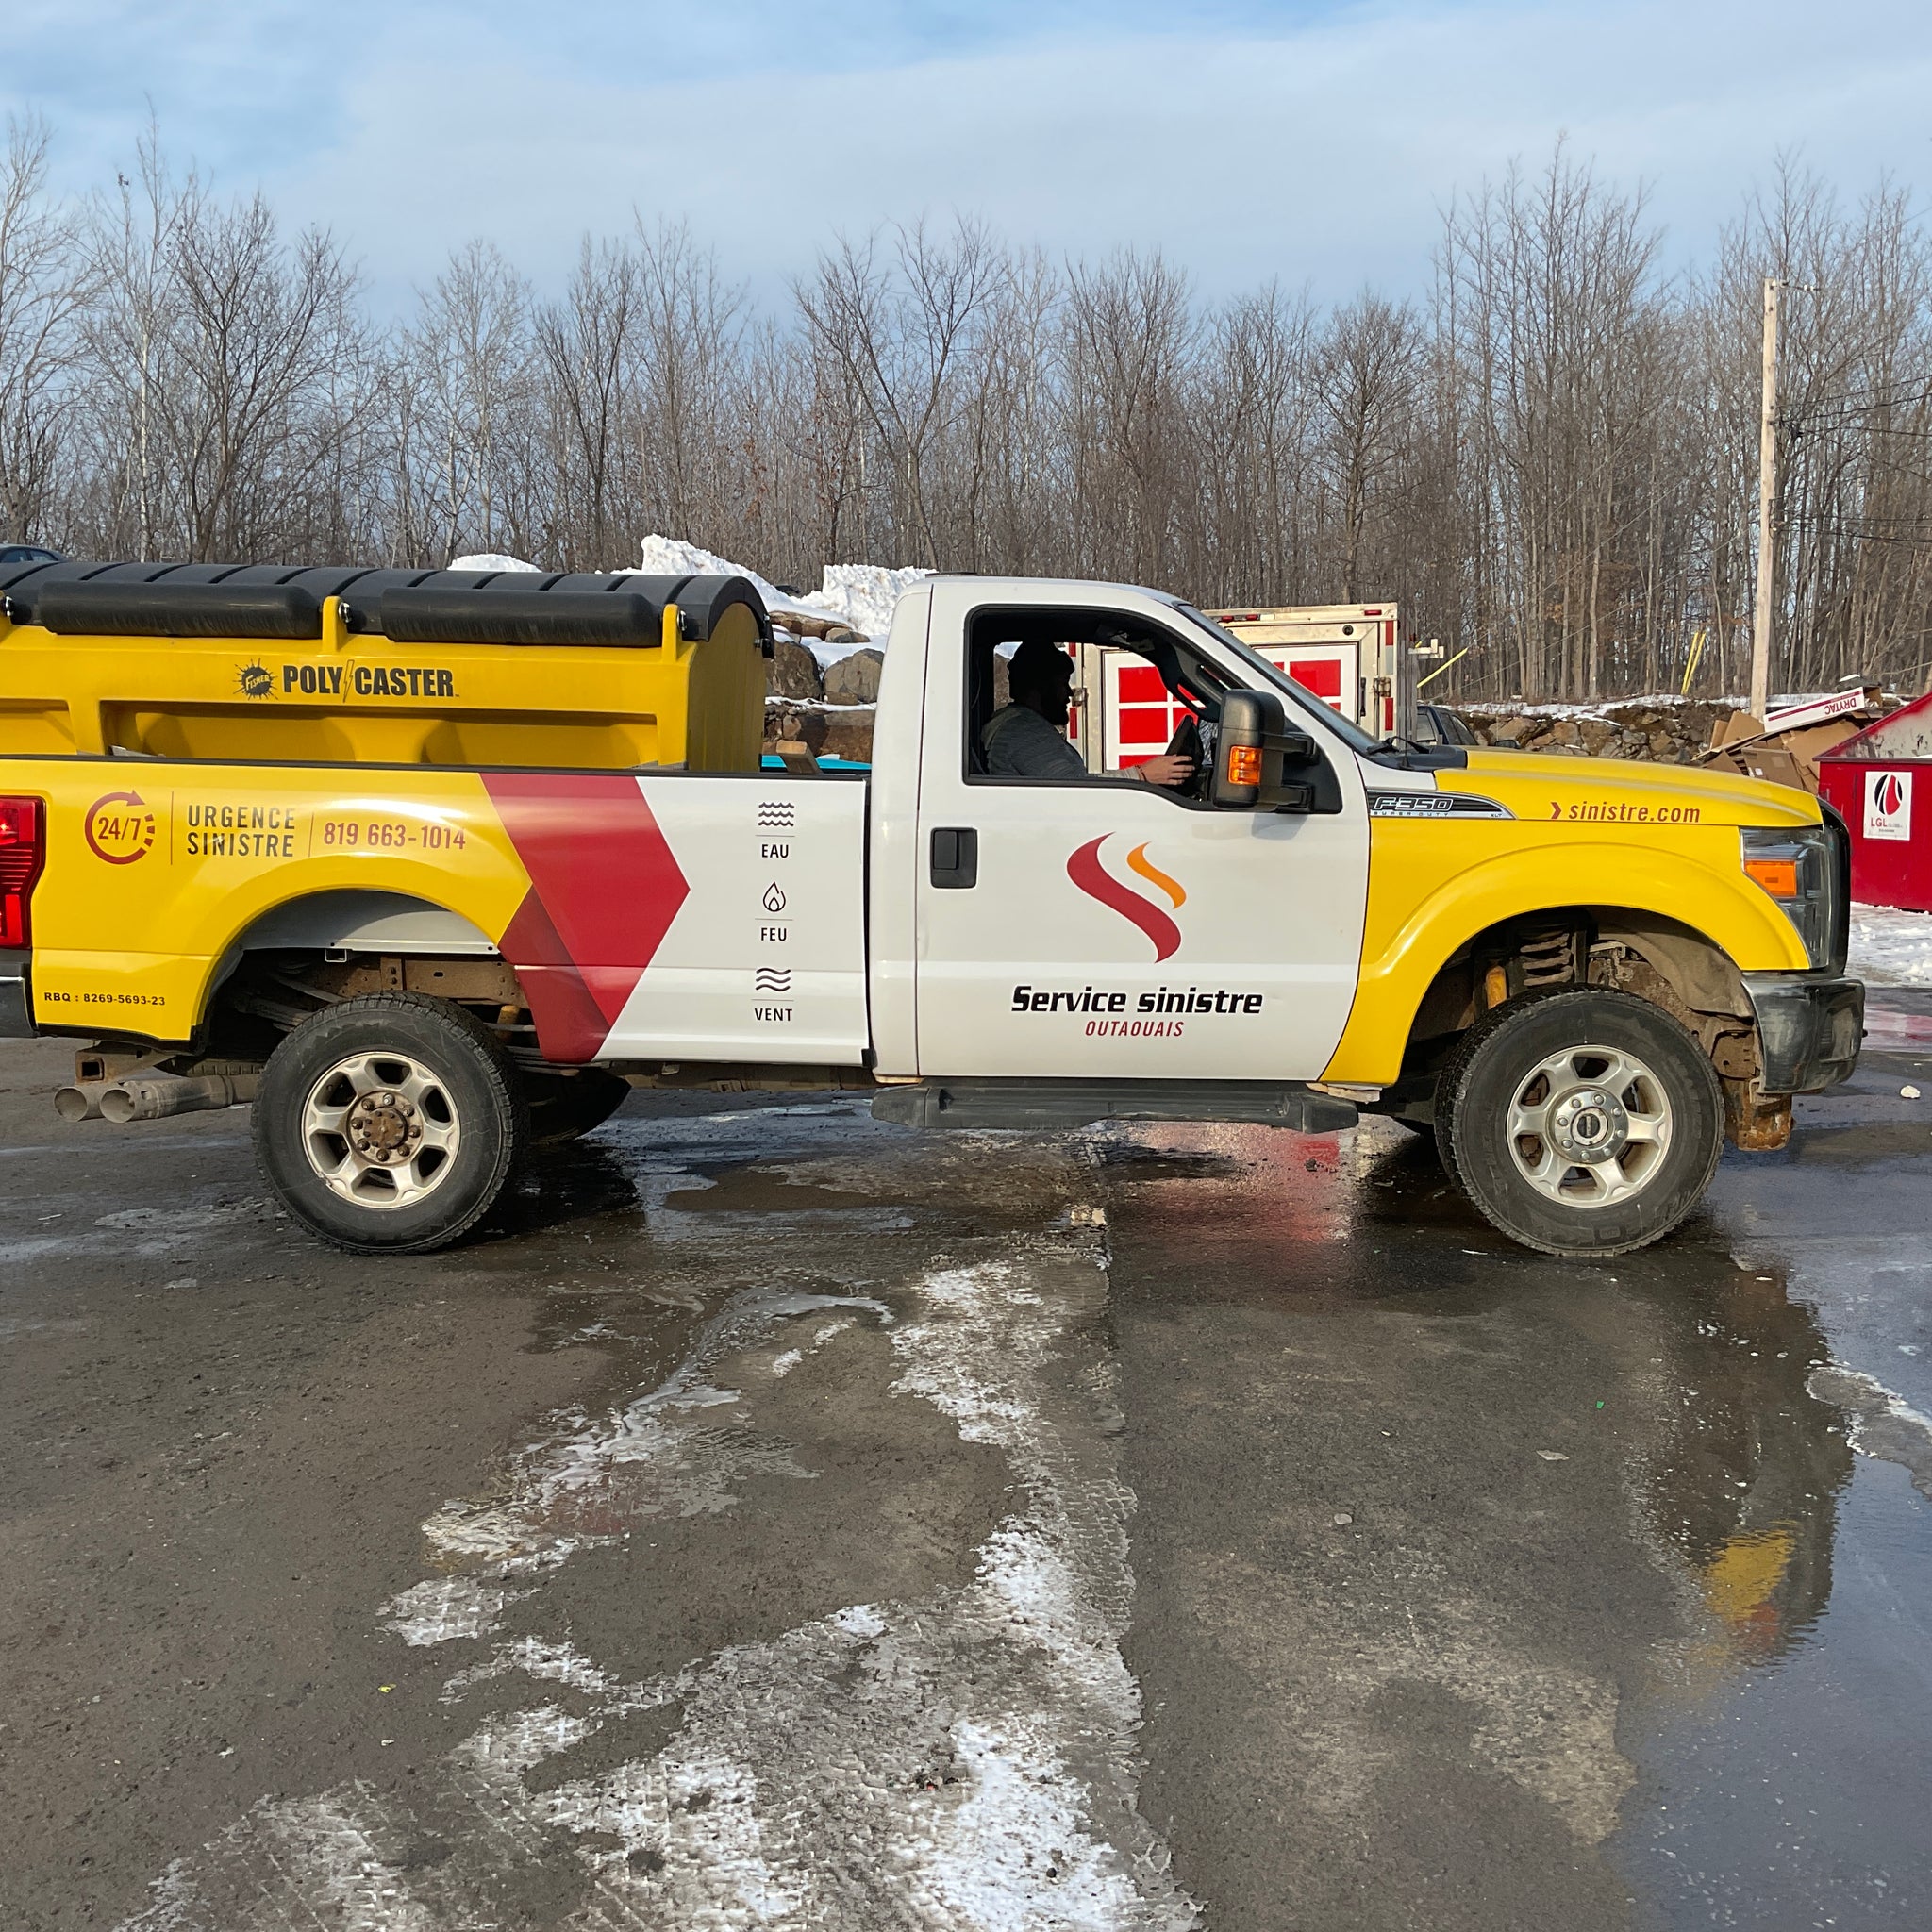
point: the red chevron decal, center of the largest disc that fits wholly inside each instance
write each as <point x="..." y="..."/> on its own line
<point x="1085" y="870"/>
<point x="605" y="887"/>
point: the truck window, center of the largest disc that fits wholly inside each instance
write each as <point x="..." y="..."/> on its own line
<point x="1139" y="695"/>
<point x="1268" y="676"/>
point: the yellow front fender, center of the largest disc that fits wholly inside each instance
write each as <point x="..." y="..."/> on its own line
<point x="1434" y="886"/>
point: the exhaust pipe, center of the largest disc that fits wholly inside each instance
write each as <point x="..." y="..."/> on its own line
<point x="155" y="1096"/>
<point x="80" y="1102"/>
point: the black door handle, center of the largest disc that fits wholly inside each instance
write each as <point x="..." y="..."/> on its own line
<point x="955" y="857"/>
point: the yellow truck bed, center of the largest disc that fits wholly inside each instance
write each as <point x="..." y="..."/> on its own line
<point x="382" y="667"/>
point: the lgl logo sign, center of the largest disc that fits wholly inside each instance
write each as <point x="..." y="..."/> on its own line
<point x="1086" y="871"/>
<point x="1888" y="805"/>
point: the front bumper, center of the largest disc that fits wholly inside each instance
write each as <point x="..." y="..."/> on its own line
<point x="16" y="1002"/>
<point x="1809" y="1030"/>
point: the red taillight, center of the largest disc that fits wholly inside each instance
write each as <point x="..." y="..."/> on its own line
<point x="22" y="851"/>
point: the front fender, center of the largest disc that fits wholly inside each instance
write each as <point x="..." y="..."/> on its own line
<point x="1434" y="887"/>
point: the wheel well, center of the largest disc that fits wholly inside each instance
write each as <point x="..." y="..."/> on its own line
<point x="308" y="954"/>
<point x="273" y="989"/>
<point x="359" y="920"/>
<point x="1659" y="960"/>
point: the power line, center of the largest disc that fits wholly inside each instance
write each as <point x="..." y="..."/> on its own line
<point x="1872" y="391"/>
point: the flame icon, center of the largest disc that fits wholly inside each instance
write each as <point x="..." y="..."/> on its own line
<point x="1086" y="871"/>
<point x="774" y="898"/>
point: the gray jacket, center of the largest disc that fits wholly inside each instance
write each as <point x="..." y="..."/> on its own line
<point x="1020" y="743"/>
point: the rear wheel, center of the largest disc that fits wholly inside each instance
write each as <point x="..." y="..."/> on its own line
<point x="1584" y="1123"/>
<point x="389" y="1125"/>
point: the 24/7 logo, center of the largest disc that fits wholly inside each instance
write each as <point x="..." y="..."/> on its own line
<point x="1086" y="871"/>
<point x="120" y="827"/>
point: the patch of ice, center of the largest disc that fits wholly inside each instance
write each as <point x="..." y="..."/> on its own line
<point x="445" y="1607"/>
<point x="685" y="1449"/>
<point x="1883" y="1424"/>
<point x="1890" y="947"/>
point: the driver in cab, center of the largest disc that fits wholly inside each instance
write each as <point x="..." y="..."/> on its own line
<point x="1027" y="737"/>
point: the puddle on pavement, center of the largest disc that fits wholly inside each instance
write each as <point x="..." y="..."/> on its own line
<point x="1774" y="1701"/>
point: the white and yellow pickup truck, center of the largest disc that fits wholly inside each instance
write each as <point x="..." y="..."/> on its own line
<point x="432" y="865"/>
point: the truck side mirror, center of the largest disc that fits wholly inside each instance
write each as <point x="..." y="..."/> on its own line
<point x="1255" y="751"/>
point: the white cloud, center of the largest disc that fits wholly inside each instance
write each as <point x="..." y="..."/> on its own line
<point x="1317" y="152"/>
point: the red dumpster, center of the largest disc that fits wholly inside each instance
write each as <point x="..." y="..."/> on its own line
<point x="1881" y="780"/>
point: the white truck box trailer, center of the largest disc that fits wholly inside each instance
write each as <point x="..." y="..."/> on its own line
<point x="1347" y="655"/>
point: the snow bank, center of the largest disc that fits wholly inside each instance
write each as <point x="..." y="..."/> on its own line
<point x="667" y="556"/>
<point x="863" y="595"/>
<point x="859" y="595"/>
<point x="1890" y="947"/>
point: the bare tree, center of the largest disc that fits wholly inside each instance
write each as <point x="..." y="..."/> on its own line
<point x="1550" y="463"/>
<point x="899" y="336"/>
<point x="44" y="290"/>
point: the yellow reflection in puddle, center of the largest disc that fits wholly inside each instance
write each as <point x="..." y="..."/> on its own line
<point x="1740" y="1580"/>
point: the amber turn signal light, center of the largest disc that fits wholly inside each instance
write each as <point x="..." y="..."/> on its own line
<point x="1244" y="764"/>
<point x="1778" y="876"/>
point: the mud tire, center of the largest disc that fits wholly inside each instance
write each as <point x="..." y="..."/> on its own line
<point x="1484" y="1078"/>
<point x="483" y="1096"/>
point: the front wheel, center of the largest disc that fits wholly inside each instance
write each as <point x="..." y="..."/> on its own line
<point x="389" y="1125"/>
<point x="1584" y="1123"/>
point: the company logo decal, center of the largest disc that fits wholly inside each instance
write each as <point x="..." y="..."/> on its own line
<point x="1086" y="871"/>
<point x="256" y="680"/>
<point x="120" y="828"/>
<point x="1888" y="805"/>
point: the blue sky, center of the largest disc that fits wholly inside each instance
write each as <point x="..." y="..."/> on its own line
<point x="1309" y="141"/>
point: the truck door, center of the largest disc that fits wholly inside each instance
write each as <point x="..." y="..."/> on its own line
<point x="1105" y="928"/>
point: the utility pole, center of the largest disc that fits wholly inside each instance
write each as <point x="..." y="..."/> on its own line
<point x="1767" y="496"/>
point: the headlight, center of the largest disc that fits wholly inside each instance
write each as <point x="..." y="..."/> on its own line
<point x="1797" y="866"/>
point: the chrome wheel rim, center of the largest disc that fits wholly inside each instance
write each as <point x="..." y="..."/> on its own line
<point x="380" y="1130"/>
<point x="1590" y="1126"/>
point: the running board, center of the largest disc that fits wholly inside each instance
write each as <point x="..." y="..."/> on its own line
<point x="1048" y="1103"/>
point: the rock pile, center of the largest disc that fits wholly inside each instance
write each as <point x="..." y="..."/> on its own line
<point x="829" y="710"/>
<point x="1663" y="730"/>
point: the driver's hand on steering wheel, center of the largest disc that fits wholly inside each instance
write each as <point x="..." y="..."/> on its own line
<point x="1166" y="770"/>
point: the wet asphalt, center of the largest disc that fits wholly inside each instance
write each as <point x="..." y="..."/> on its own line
<point x="778" y="1518"/>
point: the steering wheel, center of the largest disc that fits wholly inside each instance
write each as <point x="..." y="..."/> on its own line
<point x="1186" y="744"/>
